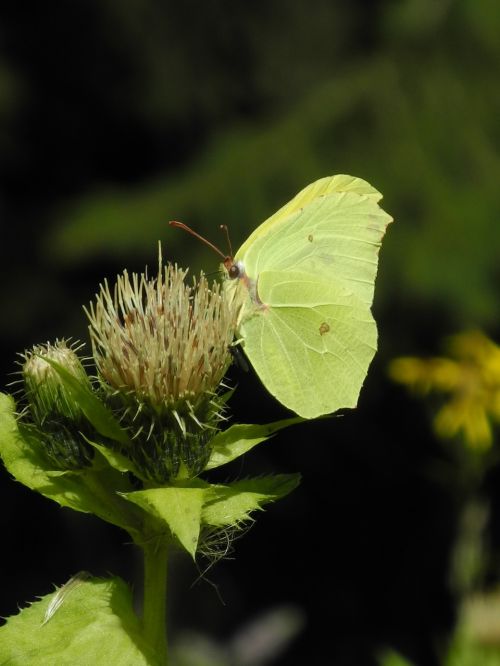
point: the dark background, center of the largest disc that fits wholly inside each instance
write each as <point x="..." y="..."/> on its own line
<point x="118" y="115"/>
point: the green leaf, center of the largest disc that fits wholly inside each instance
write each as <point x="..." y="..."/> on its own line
<point x="22" y="454"/>
<point x="240" y="438"/>
<point x="115" y="459"/>
<point x="84" y="622"/>
<point x="176" y="507"/>
<point x="88" y="490"/>
<point x="233" y="504"/>
<point x="95" y="410"/>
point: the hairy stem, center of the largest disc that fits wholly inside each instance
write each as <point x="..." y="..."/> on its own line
<point x="155" y="596"/>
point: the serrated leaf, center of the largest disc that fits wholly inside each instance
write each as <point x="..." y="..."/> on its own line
<point x="232" y="504"/>
<point x="88" y="490"/>
<point x="176" y="507"/>
<point x="240" y="438"/>
<point x="22" y="457"/>
<point x="92" y="622"/>
<point x="95" y="410"/>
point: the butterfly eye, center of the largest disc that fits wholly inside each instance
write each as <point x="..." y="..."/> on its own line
<point x="234" y="272"/>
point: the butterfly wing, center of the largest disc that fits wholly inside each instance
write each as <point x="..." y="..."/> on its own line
<point x="312" y="345"/>
<point x="336" y="236"/>
<point x="320" y="188"/>
<point x="310" y="269"/>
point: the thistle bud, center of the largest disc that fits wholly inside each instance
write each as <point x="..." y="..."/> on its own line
<point x="161" y="351"/>
<point x="53" y="411"/>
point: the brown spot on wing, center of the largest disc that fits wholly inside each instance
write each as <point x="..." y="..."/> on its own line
<point x="310" y="238"/>
<point x="324" y="328"/>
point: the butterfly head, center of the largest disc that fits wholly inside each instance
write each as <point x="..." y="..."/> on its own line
<point x="234" y="269"/>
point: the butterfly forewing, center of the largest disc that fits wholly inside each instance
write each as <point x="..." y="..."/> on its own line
<point x="321" y="187"/>
<point x="336" y="237"/>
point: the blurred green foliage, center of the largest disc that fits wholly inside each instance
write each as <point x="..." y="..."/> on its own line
<point x="418" y="117"/>
<point x="219" y="113"/>
<point x="476" y="641"/>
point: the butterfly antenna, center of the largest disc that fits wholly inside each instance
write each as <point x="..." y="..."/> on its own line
<point x="224" y="228"/>
<point x="212" y="274"/>
<point x="181" y="225"/>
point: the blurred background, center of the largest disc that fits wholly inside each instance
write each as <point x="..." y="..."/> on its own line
<point x="119" y="115"/>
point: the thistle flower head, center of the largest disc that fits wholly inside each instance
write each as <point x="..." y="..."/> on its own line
<point x="162" y="339"/>
<point x="45" y="390"/>
<point x="51" y="409"/>
<point x="161" y="348"/>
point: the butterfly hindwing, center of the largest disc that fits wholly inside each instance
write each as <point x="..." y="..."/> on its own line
<point x="312" y="344"/>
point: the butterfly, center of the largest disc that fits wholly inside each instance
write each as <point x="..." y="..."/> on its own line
<point x="303" y="283"/>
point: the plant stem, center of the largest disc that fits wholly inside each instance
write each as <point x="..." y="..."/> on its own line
<point x="155" y="596"/>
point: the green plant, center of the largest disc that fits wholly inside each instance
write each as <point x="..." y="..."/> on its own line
<point x="135" y="443"/>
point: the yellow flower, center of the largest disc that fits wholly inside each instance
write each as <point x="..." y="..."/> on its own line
<point x="471" y="378"/>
